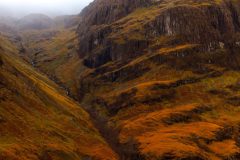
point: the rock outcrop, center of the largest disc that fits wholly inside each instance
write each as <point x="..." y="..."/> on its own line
<point x="112" y="30"/>
<point x="159" y="75"/>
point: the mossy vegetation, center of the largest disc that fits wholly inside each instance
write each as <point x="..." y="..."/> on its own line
<point x="162" y="94"/>
<point x="38" y="119"/>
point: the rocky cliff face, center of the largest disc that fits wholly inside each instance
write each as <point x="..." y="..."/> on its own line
<point x="107" y="11"/>
<point x="112" y="30"/>
<point x="94" y="25"/>
<point x="163" y="76"/>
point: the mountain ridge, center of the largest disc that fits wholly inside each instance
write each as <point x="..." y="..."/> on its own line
<point x="203" y="29"/>
<point x="160" y="79"/>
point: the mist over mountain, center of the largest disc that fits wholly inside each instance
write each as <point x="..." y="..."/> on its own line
<point x="52" y="8"/>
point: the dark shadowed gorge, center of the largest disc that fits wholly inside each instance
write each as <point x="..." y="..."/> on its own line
<point x="124" y="79"/>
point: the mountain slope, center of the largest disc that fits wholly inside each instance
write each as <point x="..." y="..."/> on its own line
<point x="164" y="77"/>
<point x="160" y="78"/>
<point x="212" y="24"/>
<point x="37" y="119"/>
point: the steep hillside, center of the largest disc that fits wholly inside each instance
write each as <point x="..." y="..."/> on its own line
<point x="160" y="78"/>
<point x="164" y="77"/>
<point x="38" y="121"/>
<point x="54" y="52"/>
<point x="213" y="24"/>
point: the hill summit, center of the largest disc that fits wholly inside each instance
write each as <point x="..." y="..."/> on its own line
<point x="35" y="21"/>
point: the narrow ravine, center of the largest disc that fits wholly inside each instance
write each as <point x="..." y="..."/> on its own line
<point x="110" y="136"/>
<point x="125" y="152"/>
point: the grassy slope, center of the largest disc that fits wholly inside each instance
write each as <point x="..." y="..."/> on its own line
<point x="37" y="120"/>
<point x="182" y="121"/>
<point x="194" y="120"/>
<point x="57" y="57"/>
<point x="178" y="108"/>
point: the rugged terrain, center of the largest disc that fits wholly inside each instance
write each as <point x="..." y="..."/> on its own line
<point x="159" y="78"/>
<point x="38" y="120"/>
